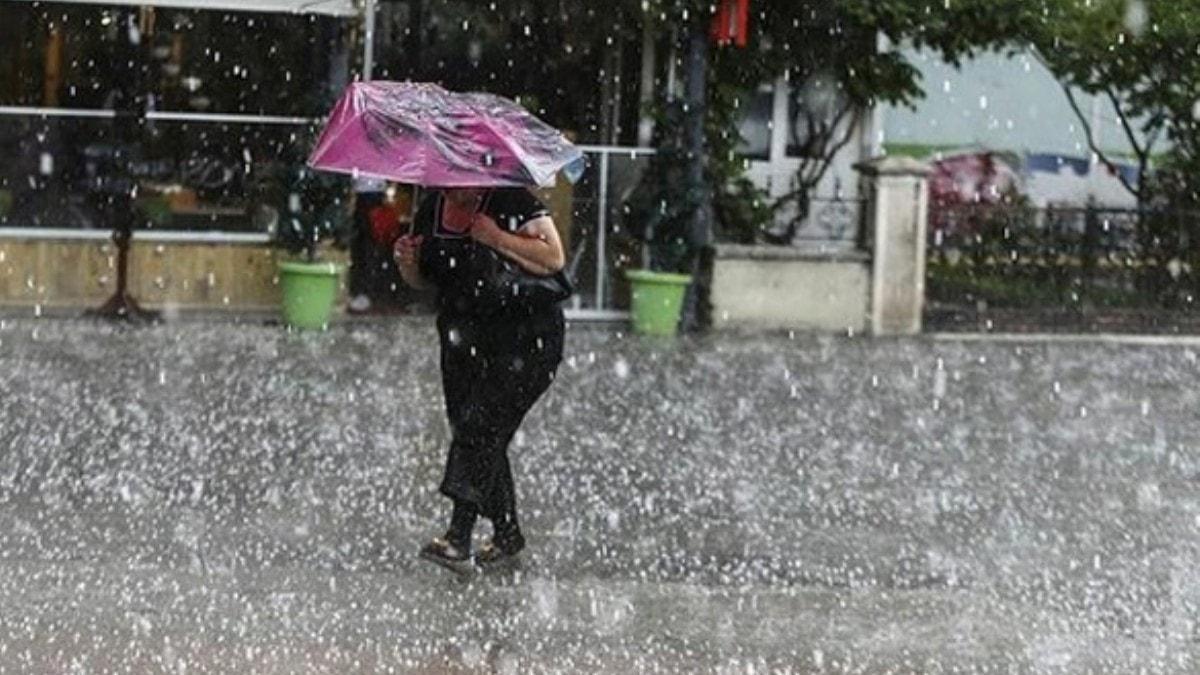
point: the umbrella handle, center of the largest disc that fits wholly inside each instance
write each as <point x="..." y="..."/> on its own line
<point x="573" y="266"/>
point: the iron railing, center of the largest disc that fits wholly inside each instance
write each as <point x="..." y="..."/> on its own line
<point x="1016" y="255"/>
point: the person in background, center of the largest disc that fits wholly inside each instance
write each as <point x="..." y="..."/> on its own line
<point x="365" y="258"/>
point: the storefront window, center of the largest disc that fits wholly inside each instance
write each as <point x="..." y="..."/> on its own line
<point x="251" y="85"/>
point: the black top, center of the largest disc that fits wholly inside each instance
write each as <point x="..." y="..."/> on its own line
<point x="458" y="265"/>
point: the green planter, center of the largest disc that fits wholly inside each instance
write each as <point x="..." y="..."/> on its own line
<point x="657" y="301"/>
<point x="309" y="292"/>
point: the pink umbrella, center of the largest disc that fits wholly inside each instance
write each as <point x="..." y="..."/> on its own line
<point x="422" y="134"/>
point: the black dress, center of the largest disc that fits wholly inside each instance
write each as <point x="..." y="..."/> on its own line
<point x="496" y="361"/>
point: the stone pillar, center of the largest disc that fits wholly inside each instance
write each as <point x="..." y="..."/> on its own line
<point x="898" y="215"/>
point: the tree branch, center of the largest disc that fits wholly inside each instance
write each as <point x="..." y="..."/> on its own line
<point x="1091" y="139"/>
<point x="1129" y="133"/>
<point x="814" y="167"/>
<point x="1087" y="128"/>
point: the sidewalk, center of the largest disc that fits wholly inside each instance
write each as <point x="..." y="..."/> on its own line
<point x="219" y="497"/>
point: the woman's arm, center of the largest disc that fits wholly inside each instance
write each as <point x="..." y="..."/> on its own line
<point x="536" y="247"/>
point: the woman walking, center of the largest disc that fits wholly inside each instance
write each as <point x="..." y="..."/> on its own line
<point x="499" y="349"/>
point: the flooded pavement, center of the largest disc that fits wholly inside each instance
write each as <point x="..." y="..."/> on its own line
<point x="215" y="497"/>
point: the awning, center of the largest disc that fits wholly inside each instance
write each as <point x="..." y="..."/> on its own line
<point x="329" y="7"/>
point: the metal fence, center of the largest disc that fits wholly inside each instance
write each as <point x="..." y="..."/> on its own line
<point x="1018" y="256"/>
<point x="600" y="248"/>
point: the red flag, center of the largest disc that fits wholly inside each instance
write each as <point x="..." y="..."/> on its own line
<point x="731" y="25"/>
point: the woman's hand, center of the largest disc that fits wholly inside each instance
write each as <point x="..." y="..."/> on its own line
<point x="406" y="253"/>
<point x="486" y="231"/>
<point x="406" y="249"/>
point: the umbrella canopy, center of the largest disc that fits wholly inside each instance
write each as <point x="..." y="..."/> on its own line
<point x="422" y="134"/>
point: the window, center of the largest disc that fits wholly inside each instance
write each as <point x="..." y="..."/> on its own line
<point x="755" y="126"/>
<point x="812" y="110"/>
<point x="254" y="83"/>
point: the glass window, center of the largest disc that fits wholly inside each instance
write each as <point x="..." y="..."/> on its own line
<point x="812" y="111"/>
<point x="755" y="126"/>
<point x="210" y="173"/>
<point x="70" y="56"/>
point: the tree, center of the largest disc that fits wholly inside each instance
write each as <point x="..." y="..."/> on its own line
<point x="551" y="54"/>
<point x="843" y="57"/>
<point x="1140" y="57"/>
<point x="560" y="54"/>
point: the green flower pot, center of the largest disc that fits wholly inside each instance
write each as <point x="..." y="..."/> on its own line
<point x="657" y="301"/>
<point x="309" y="293"/>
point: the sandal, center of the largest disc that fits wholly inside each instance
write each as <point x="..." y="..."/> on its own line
<point x="493" y="552"/>
<point x="442" y="552"/>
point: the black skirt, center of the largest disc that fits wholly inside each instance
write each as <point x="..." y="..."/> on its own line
<point x="493" y="371"/>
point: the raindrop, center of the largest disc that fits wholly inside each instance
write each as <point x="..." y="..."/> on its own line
<point x="939" y="383"/>
<point x="621" y="368"/>
<point x="472" y="655"/>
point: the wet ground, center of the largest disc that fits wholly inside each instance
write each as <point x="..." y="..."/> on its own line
<point x="207" y="497"/>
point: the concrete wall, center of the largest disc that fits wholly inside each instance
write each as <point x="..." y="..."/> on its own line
<point x="899" y="214"/>
<point x="769" y="287"/>
<point x="64" y="273"/>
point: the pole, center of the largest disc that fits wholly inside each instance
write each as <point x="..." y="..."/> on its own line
<point x="602" y="233"/>
<point x="696" y="102"/>
<point x="696" y="99"/>
<point x="647" y="88"/>
<point x="369" y="10"/>
<point x="118" y="191"/>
